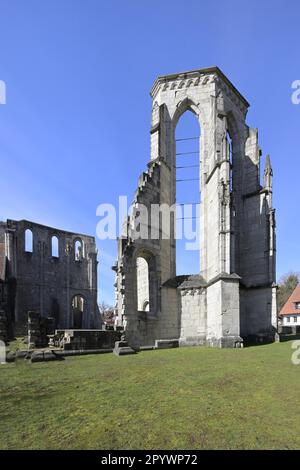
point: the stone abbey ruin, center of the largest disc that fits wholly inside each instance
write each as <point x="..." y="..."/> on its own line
<point x="230" y="302"/>
<point x="47" y="271"/>
<point x="233" y="298"/>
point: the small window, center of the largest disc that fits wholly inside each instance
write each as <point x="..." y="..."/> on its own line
<point x="54" y="247"/>
<point x="295" y="319"/>
<point x="78" y="250"/>
<point x="288" y="319"/>
<point x="28" y="241"/>
<point x="297" y="305"/>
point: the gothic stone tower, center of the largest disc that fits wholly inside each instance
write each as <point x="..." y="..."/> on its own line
<point x="233" y="298"/>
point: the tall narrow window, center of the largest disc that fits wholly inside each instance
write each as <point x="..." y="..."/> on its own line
<point x="77" y="311"/>
<point x="187" y="194"/>
<point x="78" y="250"/>
<point x="142" y="272"/>
<point x="229" y="156"/>
<point x="28" y="241"/>
<point x="55" y="247"/>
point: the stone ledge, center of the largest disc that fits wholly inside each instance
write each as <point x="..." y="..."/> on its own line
<point x="226" y="342"/>
<point x="123" y="349"/>
<point x="192" y="341"/>
<point x="166" y="343"/>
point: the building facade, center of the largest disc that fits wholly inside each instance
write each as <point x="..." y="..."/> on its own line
<point x="233" y="298"/>
<point x="48" y="271"/>
<point x="290" y="312"/>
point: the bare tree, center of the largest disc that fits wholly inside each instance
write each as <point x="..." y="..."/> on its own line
<point x="106" y="312"/>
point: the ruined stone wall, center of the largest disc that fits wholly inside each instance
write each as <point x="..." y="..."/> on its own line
<point x="3" y="278"/>
<point x="193" y="316"/>
<point x="46" y="283"/>
<point x="4" y="334"/>
<point x="237" y="221"/>
<point x="161" y="321"/>
<point x="7" y="286"/>
<point x="258" y="312"/>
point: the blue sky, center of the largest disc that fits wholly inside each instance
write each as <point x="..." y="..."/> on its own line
<point x="75" y="129"/>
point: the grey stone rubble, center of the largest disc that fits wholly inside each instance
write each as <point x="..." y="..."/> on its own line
<point x="37" y="330"/>
<point x="46" y="355"/>
<point x="123" y="349"/>
<point x="81" y="340"/>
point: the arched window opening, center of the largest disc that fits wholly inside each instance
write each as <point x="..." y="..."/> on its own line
<point x="78" y="250"/>
<point x="187" y="135"/>
<point x="54" y="247"/>
<point x="28" y="241"/>
<point x="229" y="156"/>
<point x="77" y="311"/>
<point x="143" y="294"/>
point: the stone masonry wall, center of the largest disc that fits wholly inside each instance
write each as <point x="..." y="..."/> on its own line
<point x="237" y="223"/>
<point x="48" y="283"/>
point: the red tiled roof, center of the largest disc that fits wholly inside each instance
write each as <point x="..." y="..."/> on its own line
<point x="289" y="307"/>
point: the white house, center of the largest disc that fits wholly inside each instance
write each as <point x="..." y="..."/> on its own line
<point x="290" y="312"/>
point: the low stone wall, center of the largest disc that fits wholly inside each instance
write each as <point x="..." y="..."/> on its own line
<point x="288" y="333"/>
<point x="38" y="329"/>
<point x="74" y="340"/>
<point x="3" y="327"/>
<point x="289" y="330"/>
<point x="254" y="340"/>
<point x="34" y="333"/>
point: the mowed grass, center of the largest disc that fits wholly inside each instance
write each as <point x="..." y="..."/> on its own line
<point x="189" y="398"/>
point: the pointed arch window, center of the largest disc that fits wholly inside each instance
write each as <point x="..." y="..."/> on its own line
<point x="142" y="271"/>
<point x="188" y="195"/>
<point x="229" y="155"/>
<point x="147" y="295"/>
<point x="78" y="250"/>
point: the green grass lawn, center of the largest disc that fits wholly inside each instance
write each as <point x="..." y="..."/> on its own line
<point x="189" y="398"/>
